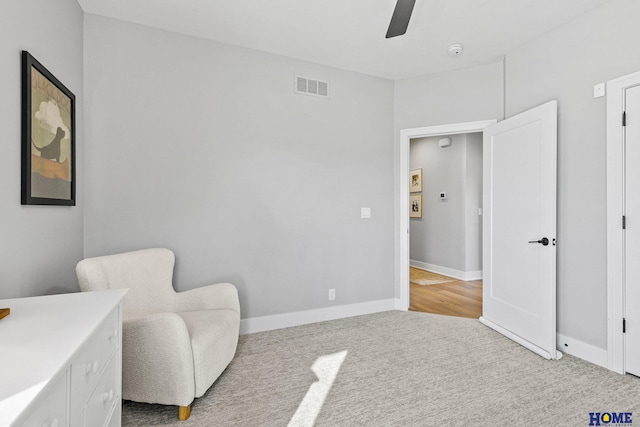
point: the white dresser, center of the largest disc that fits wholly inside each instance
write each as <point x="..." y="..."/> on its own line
<point x="61" y="360"/>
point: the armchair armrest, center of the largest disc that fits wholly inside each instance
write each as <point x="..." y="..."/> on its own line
<point x="157" y="360"/>
<point x="212" y="297"/>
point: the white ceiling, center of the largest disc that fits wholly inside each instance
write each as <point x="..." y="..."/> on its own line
<point x="349" y="34"/>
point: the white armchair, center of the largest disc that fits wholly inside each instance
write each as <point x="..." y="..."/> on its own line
<point x="175" y="344"/>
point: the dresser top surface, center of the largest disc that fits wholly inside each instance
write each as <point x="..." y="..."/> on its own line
<point x="39" y="338"/>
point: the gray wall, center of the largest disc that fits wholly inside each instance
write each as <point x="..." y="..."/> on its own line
<point x="473" y="201"/>
<point x="438" y="237"/>
<point x="564" y="65"/>
<point x="40" y="245"/>
<point x="205" y="148"/>
<point x="458" y="96"/>
<point x="447" y="235"/>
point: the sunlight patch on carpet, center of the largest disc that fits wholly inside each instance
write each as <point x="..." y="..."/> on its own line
<point x="326" y="369"/>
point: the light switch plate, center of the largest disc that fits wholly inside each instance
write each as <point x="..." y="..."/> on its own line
<point x="365" y="212"/>
<point x="598" y="90"/>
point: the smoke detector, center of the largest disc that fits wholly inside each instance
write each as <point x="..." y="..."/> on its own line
<point x="455" y="49"/>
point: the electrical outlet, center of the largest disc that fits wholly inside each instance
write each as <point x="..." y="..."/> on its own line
<point x="332" y="294"/>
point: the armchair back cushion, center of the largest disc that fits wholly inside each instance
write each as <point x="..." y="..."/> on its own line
<point x="148" y="275"/>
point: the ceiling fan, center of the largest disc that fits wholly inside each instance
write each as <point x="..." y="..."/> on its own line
<point x="400" y="18"/>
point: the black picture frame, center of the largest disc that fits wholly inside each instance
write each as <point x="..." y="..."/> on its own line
<point x="48" y="152"/>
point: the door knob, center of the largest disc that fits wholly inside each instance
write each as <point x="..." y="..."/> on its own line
<point x="544" y="241"/>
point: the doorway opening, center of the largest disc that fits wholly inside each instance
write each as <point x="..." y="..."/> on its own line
<point x="406" y="136"/>
<point x="446" y="225"/>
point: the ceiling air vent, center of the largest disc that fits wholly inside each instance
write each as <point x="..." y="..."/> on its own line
<point x="312" y="87"/>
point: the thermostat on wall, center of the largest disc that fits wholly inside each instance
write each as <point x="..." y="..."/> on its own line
<point x="443" y="195"/>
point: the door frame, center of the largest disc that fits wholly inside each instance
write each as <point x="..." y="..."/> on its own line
<point x="406" y="135"/>
<point x="615" y="209"/>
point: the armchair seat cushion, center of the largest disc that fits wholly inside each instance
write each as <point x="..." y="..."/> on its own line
<point x="214" y="336"/>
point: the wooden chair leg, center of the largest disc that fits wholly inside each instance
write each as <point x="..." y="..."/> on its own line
<point x="184" y="412"/>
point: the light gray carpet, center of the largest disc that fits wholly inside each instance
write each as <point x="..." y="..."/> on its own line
<point x="402" y="369"/>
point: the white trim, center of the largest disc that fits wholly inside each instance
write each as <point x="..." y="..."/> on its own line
<point x="577" y="348"/>
<point x="285" y="320"/>
<point x="527" y="344"/>
<point x="446" y="271"/>
<point x="615" y="210"/>
<point x="403" y="224"/>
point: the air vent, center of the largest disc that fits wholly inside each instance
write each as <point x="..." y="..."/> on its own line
<point x="312" y="87"/>
<point x="323" y="89"/>
<point x="301" y="84"/>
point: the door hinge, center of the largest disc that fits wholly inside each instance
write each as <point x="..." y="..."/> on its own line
<point x="624" y="118"/>
<point x="624" y="325"/>
<point x="624" y="222"/>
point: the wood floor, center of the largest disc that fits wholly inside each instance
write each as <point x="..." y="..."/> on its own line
<point x="456" y="298"/>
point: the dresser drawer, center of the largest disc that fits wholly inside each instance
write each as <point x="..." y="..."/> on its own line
<point x="116" y="415"/>
<point x="105" y="396"/>
<point x="51" y="407"/>
<point x="88" y="366"/>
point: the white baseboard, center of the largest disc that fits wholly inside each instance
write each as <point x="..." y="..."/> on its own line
<point x="285" y="320"/>
<point x="582" y="350"/>
<point x="446" y="271"/>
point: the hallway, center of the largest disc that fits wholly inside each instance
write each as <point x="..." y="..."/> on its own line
<point x="446" y="295"/>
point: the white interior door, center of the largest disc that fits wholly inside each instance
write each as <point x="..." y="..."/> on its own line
<point x="519" y="266"/>
<point x="632" y="231"/>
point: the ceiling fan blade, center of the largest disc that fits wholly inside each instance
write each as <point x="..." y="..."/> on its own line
<point x="400" y="19"/>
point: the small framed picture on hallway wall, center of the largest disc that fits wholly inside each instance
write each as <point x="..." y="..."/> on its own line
<point x="415" y="206"/>
<point x="415" y="180"/>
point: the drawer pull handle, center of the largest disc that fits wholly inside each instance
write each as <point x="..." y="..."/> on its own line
<point x="113" y="333"/>
<point x="92" y="367"/>
<point x="107" y="396"/>
<point x="54" y="423"/>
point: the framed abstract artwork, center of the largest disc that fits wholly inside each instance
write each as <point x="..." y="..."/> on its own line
<point x="48" y="137"/>
<point x="415" y="180"/>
